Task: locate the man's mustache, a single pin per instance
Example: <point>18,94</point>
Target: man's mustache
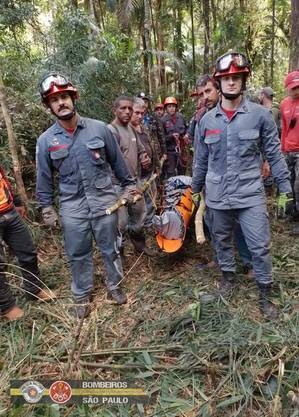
<point>63,108</point>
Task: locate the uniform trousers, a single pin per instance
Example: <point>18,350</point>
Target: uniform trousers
<point>15,234</point>
<point>254,224</point>
<point>78,239</point>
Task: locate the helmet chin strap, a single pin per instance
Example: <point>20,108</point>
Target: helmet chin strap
<point>68,116</point>
<point>230,96</point>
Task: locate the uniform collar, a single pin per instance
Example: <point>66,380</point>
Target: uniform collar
<point>59,129</point>
<point>243,107</point>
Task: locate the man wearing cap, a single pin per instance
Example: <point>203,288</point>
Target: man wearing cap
<point>153,123</point>
<point>228,160</point>
<point>266,100</point>
<point>289,108</point>
<point>83,151</point>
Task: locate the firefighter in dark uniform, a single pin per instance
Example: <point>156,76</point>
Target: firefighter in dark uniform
<point>153,124</point>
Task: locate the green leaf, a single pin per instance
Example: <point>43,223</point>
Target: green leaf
<point>230,401</point>
<point>147,358</point>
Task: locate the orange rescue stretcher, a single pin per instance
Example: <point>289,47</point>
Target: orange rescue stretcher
<point>170,236</point>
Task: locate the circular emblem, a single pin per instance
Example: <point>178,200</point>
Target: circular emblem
<point>60,392</point>
<point>32,391</point>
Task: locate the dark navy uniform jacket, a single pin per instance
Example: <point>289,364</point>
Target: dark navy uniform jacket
<point>173,124</point>
<point>84,161</point>
<point>228,156</point>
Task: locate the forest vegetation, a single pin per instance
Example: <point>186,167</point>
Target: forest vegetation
<point>194,359</point>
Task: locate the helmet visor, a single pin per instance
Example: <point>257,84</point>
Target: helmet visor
<point>224,62</point>
<point>58,80</point>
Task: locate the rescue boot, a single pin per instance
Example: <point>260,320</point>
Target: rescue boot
<point>138,240</point>
<point>14,313</point>
<point>117,295</point>
<point>267,308</point>
<point>81,308</point>
<point>227,283</point>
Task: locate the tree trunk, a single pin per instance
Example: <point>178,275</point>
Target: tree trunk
<point>294,41</point>
<point>101,11</point>
<point>160,43</point>
<point>206,21</point>
<point>272,42</point>
<point>89,8</point>
<point>145,60</point>
<point>179,44</point>
<point>193,41</point>
<point>148,46</point>
<point>12,146</point>
<point>214,14</point>
<point>97,13</point>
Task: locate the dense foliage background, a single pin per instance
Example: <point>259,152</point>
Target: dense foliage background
<point>113,47</point>
<point>194,358</point>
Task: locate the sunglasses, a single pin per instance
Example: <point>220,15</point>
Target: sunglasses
<point>224,62</point>
<point>58,80</point>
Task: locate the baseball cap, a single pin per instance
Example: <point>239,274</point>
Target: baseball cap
<point>268,91</point>
<point>292,80</point>
<point>143,95</point>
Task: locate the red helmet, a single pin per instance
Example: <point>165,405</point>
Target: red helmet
<point>159,106</point>
<point>232,63</point>
<point>56,83</point>
<point>194,93</point>
<point>170,100</point>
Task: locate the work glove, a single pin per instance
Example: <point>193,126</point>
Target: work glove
<point>285,205</point>
<point>196,199</point>
<point>50,217</point>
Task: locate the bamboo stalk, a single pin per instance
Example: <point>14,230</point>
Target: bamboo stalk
<point>122,351</point>
<point>142,366</point>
